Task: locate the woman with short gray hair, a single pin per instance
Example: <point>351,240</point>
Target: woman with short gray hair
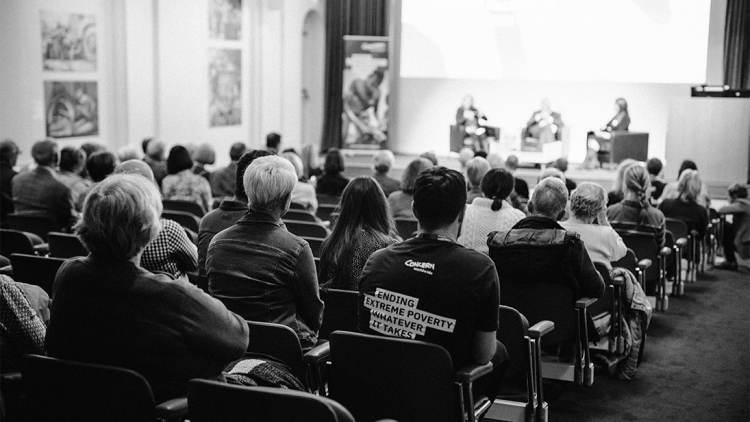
<point>588,204</point>
<point>260,270</point>
<point>109,310</point>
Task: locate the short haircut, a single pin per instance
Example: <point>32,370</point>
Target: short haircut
<point>44,153</point>
<point>687,165</point>
<point>236,151</point>
<point>155,150</point>
<point>654,166</point>
<point>136,167</point>
<point>296,162</point>
<point>411,172</point>
<point>512,162</point>
<point>100,165</point>
<point>120,217</point>
<point>178,160</point>
<point>465,155</point>
<point>242,163</point>
<point>91,147</point>
<point>204,154</point>
<point>476,168</point>
<point>430,156</point>
<point>482,154</point>
<point>737,190</point>
<point>588,200</point>
<point>8,151</point>
<point>561,164</point>
<point>439,197</point>
<point>334,162</point>
<point>497,185</point>
<point>273,140</point>
<point>269,182</point>
<point>495,160</point>
<point>552,172</point>
<point>549,198</point>
<point>383,161</point>
<point>689,185</point>
<point>71,158</point>
<point>127,153</point>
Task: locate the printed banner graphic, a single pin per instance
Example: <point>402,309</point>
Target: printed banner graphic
<point>397,315</point>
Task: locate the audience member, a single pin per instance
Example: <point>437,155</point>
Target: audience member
<point>450,282</point>
<point>109,310</point>
<point>23,329</point>
<point>39,192</point>
<point>155,159</point>
<point>634,213</point>
<point>259,269</point>
<point>562,165</point>
<point>204,155</point>
<point>303,193</point>
<point>654,167</point>
<point>181,183</point>
<point>491,212</point>
<point>552,172</point>
<point>476,168</point>
<point>332,182</point>
<point>144,145</point>
<point>588,205</point>
<point>737,233</point>
<point>310,160</point>
<point>92,147</point>
<point>72,163</point>
<point>382,162</point>
<point>496,161</point>
<point>615,195</point>
<point>229,212</point>
<point>223,180</point>
<point>172,252</point>
<point>521,188</point>
<point>686,207</point>
<point>400,201</point>
<point>364,226</point>
<point>464,156</point>
<point>99,165</point>
<point>273,142</point>
<point>126,153</point>
<point>430,155</point>
<point>671,190</point>
<point>8,157</point>
<point>482,154</point>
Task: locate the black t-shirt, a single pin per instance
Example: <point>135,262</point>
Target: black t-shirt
<point>430,290</point>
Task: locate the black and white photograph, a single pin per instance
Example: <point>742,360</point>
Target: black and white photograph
<point>225,87</point>
<point>68,41</point>
<point>225,19</point>
<point>72,109</point>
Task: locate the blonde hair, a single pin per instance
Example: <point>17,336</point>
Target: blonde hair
<point>637,182</point>
<point>269,182</point>
<point>690,185</point>
<point>476,168</point>
<point>296,162</point>
<point>588,200</point>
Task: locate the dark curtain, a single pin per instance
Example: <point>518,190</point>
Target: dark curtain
<point>345,17</point>
<point>737,44</point>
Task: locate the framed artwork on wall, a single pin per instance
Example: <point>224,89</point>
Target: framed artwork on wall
<point>68,42</point>
<point>71,108</point>
<point>224,86</point>
<point>225,19</point>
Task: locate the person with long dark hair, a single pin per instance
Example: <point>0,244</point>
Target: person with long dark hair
<point>400,201</point>
<point>364,226</point>
<point>332,182</point>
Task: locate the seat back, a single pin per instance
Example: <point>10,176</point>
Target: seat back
<point>183,206</point>
<point>304,229</point>
<point>40,225</point>
<point>644,246</point>
<point>64,245</point>
<point>678,228</point>
<point>61,390</point>
<point>37,270</point>
<point>185,219</point>
<point>296,206</point>
<point>328,199</point>
<point>210,401</point>
<point>603,304</point>
<point>300,215</point>
<point>325,210</point>
<point>513,328</point>
<point>340,312</point>
<point>279,342</point>
<point>315,244</point>
<point>407,227</point>
<point>14,241</point>
<point>379,377</point>
<point>629,262</point>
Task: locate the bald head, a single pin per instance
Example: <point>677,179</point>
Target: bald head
<point>136,167</point>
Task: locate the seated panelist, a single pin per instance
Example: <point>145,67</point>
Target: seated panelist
<point>598,141</point>
<point>544,124</point>
<point>469,121</point>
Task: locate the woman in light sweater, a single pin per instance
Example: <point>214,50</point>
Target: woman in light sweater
<point>588,203</point>
<point>491,212</point>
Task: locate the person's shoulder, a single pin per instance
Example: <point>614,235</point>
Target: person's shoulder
<point>169,226</point>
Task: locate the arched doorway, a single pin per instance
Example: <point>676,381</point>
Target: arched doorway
<point>313,71</point>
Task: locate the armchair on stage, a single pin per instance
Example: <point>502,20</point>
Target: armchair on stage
<point>623,144</point>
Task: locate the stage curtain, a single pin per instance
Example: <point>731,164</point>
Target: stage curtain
<point>737,44</point>
<point>345,17</point>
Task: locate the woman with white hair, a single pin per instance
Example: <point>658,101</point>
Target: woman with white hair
<point>303,193</point>
<point>382,162</point>
<point>109,310</point>
<point>588,204</point>
<point>686,207</point>
<point>260,270</point>
<point>476,168</point>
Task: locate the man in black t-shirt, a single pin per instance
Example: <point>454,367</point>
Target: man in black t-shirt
<point>430,288</point>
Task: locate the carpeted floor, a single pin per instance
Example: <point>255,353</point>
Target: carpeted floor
<point>695,367</point>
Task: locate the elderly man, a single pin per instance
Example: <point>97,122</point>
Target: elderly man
<point>382,162</point>
<point>39,192</point>
<point>260,270</point>
<point>223,182</point>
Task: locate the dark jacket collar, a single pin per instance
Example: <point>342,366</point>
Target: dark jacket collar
<point>534,222</point>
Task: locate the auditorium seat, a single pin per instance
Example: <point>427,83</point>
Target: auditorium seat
<point>185,219</point>
<point>65,245</point>
<point>37,270</point>
<point>184,206</point>
<point>407,227</point>
<point>300,215</point>
<point>325,210</point>
<point>680,230</point>
<point>340,311</point>
<point>315,244</point>
<point>210,401</point>
<point>37,224</point>
<point>305,229</point>
<point>14,241</point>
<point>63,390</point>
<point>644,246</point>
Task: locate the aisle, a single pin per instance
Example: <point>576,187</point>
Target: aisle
<point>695,367</point>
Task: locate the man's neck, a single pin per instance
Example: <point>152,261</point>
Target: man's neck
<point>450,232</point>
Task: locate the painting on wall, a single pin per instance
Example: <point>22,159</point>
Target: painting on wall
<point>68,42</point>
<point>225,87</point>
<point>225,19</point>
<point>71,109</point>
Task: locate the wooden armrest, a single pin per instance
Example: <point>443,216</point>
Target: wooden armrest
<point>665,251</point>
<point>618,280</point>
<point>318,354</point>
<point>172,410</point>
<point>643,264</point>
<point>541,328</point>
<point>585,302</point>
<point>681,242</point>
<point>471,373</point>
